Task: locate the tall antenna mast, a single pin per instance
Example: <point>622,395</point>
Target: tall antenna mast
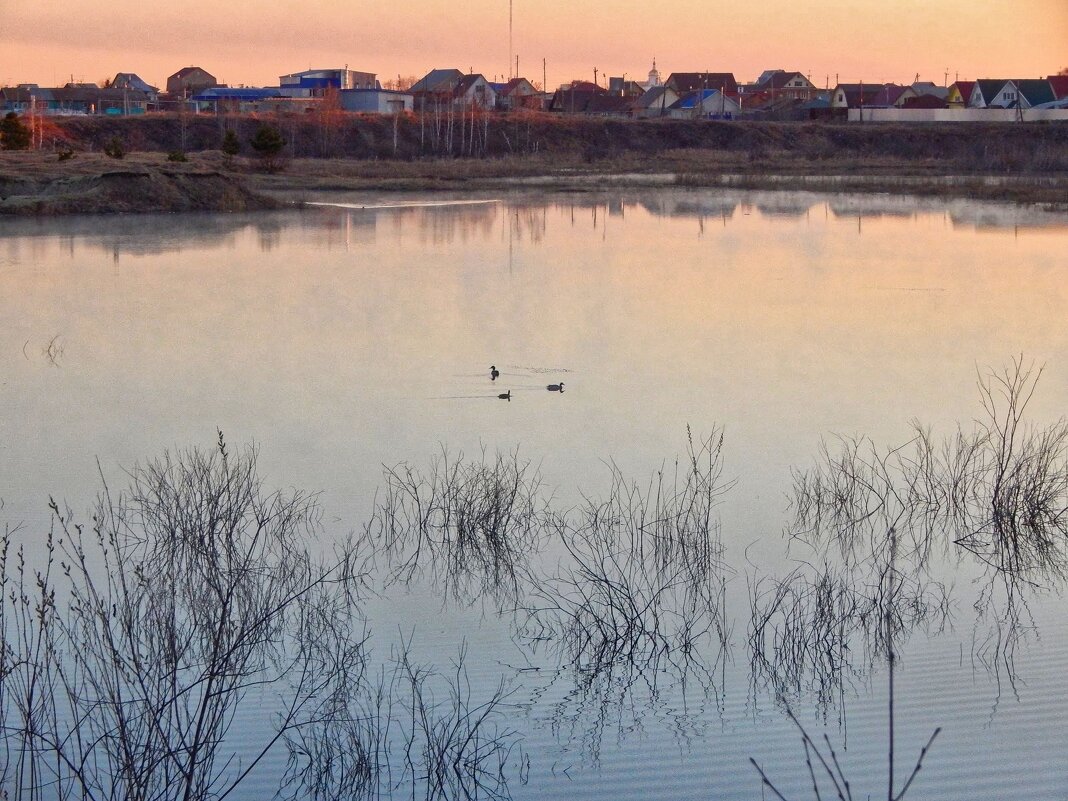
<point>510,76</point>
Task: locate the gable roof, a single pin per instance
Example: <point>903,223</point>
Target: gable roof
<point>513,86</point>
<point>988,88</point>
<point>130,80</point>
<point>779,79</point>
<point>573,99</point>
<point>609,104</point>
<point>857,94</point>
<point>705,98</point>
<point>965,90</point>
<point>437,81</point>
<point>1036,90</point>
<point>655,96</point>
<point>691,81</point>
<point>185,71</point>
<point>931,88</point>
<point>1059,85</point>
<point>925,101</point>
<point>466,82</point>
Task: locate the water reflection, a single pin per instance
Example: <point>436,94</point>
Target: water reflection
<point>362,338</point>
<point>359,220</point>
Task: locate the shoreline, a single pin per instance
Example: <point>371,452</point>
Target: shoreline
<point>37,184</point>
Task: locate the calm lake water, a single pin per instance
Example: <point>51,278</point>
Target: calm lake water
<point>343,338</point>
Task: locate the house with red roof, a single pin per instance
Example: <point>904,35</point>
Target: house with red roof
<point>959,94</point>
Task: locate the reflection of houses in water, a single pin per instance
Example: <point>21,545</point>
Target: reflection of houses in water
<point>141,235</point>
<point>1000,217</point>
<point>853,206</point>
<point>694,207</point>
<point>789,207</point>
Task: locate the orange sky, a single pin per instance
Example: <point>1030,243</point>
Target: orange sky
<point>240,42</point>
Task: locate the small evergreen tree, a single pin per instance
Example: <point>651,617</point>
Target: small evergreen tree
<point>231,145</point>
<point>268,144</point>
<point>13,134</point>
<point>114,148</point>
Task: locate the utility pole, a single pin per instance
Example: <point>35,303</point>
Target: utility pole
<point>510,36</point>
<point>544,79</point>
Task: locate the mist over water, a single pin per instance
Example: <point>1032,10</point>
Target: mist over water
<point>346,339</point>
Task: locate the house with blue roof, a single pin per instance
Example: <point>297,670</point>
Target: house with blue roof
<point>704,104</point>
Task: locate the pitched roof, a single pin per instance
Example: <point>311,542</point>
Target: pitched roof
<point>702,97</point>
<point>779,79</point>
<point>437,81</point>
<point>514,85</point>
<point>766,76</point>
<point>1059,85</point>
<point>184,71</point>
<point>466,82</point>
<point>654,97</point>
<point>1036,90</point>
<point>930,88</point>
<point>691,81</point>
<point>988,88</point>
<point>573,99</point>
<point>925,101</point>
<point>610,104</point>
<point>965,89</point>
<point>130,80</point>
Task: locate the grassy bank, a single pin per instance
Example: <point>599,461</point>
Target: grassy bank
<point>1020,163</point>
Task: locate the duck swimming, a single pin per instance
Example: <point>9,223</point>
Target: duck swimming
<point>494,372</point>
<point>556,387</point>
<point>506,396</point>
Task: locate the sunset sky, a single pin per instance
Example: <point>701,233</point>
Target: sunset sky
<point>242,42</point>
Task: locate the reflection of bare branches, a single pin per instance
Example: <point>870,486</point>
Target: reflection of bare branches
<point>640,592</point>
<point>820,627</point>
<point>642,575</point>
<point>394,731</point>
<point>131,650</point>
<point>999,492</point>
<point>473,525</point>
<point>625,698</point>
<point>1018,512</point>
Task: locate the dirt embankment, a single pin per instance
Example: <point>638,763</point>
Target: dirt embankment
<point>30,183</point>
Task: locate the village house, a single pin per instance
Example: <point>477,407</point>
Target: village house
<point>780,84</point>
<point>189,81</point>
<point>683,82</point>
<point>131,81</point>
<point>75,99</point>
<point>441,89</point>
<point>704,104</point>
<point>959,94</point>
<point>655,102</point>
<point>574,97</point>
<point>474,91</point>
<point>864,95</point>
<point>517,93</point>
<point>1011,93</point>
<point>1059,85</point>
